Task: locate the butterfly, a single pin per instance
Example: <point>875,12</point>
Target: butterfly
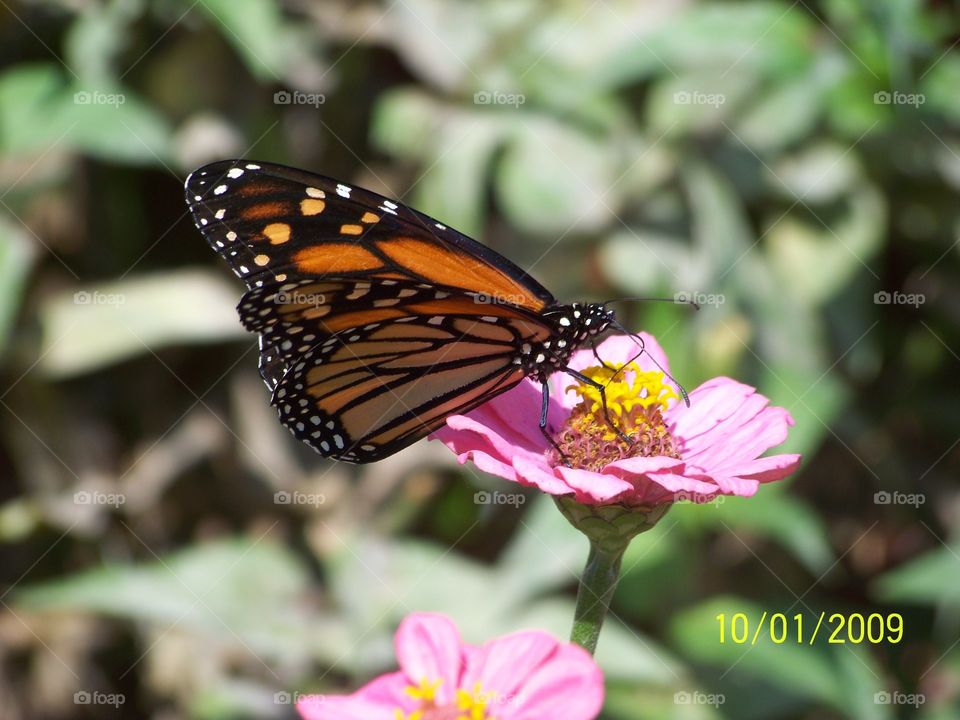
<point>377,322</point>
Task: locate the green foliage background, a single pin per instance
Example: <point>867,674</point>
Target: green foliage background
<point>794,157</point>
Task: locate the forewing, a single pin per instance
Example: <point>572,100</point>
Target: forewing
<point>273,224</point>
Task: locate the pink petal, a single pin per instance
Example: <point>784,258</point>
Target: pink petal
<point>738,486</point>
<point>768,469</point>
<point>568,685</point>
<point>377,700</point>
<point>503,665</point>
<point>653,488</point>
<point>711,404</point>
<point>593,487</point>
<point>731,445</point>
<point>428,648</point>
<point>642,465</point>
<point>534,472</point>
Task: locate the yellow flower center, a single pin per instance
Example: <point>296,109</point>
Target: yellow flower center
<point>468,704</point>
<point>636,401</point>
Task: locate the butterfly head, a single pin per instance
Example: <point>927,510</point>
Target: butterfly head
<point>573,325</point>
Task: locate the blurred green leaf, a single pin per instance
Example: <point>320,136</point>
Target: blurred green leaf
<point>257,31</point>
<point>28,99</point>
<point>737,37</point>
<point>774,513</point>
<point>939,86</point>
<point>16,258</point>
<point>932,578</point>
<point>545,553</point>
<point>97,37</point>
<point>553,180</point>
<point>818,261</point>
<point>218,589</point>
<point>115,124</point>
<point>697,103</point>
<point>104,324</point>
<point>40,111</point>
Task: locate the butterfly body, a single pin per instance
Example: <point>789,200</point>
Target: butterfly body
<point>376,322</point>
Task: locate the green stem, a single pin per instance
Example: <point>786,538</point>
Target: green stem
<point>597,584</point>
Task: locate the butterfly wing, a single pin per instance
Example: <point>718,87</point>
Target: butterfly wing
<point>360,385</point>
<point>376,322</point>
<point>272,222</point>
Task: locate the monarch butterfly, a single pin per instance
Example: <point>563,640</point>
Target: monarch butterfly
<point>376,322</point>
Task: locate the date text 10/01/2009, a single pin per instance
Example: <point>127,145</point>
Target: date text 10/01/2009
<point>837,628</point>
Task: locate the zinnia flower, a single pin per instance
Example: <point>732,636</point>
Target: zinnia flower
<point>711,448</point>
<point>524,676</point>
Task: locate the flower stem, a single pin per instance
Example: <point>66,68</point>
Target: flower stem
<point>609,528</point>
<point>597,585</point>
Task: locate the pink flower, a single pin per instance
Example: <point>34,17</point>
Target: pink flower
<point>524,676</point>
<point>711,448</point>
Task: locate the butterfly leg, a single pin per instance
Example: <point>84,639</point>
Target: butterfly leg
<point>603,398</point>
<point>544,408</point>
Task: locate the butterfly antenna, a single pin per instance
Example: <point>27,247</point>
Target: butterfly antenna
<point>678,299</point>
<point>639,340</point>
